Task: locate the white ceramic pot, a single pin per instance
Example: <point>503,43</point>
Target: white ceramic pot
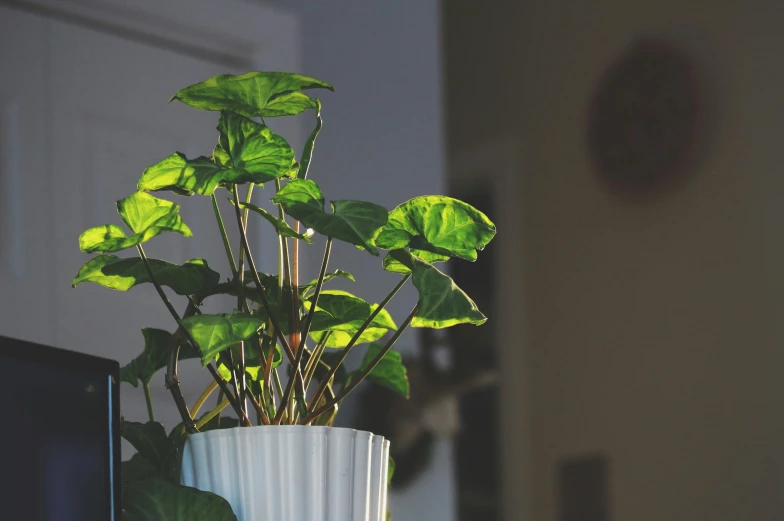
<point>291,472</point>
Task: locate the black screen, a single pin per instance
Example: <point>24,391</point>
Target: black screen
<point>57,439</point>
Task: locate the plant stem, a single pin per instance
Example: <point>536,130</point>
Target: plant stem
<point>346,350</point>
<point>315,358</point>
<point>178,398</point>
<point>301,349</point>
<point>259,286</point>
<point>240,383</point>
<point>365,372</point>
<point>212,414</point>
<point>148,399</point>
<point>224,235</point>
<point>172,380</point>
<point>203,398</point>
<point>292,287</point>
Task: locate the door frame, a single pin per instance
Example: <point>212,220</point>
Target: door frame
<point>498,162</point>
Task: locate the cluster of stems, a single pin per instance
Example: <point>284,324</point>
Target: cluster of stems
<point>274,405</point>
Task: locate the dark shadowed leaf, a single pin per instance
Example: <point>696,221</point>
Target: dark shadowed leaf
<point>161,500</point>
<point>214,333</point>
<point>264,94</point>
<point>123,274</point>
<point>389,372</point>
<point>441,302</point>
<point>280,225</point>
<point>253,148</point>
<point>145,215</point>
<point>149,439</point>
<point>158,345</point>
<point>355,222</point>
<point>439,225</point>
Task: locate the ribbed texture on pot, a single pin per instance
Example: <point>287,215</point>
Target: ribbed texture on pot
<point>291,472</point>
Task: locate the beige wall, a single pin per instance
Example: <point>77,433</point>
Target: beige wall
<point>654,329</point>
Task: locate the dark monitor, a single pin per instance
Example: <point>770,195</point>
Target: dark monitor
<point>59,435</point>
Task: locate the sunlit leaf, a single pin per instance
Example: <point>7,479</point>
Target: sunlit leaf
<point>158,346</point>
<point>441,302</point>
<point>214,333</point>
<point>264,94</point>
<point>255,149</point>
<point>145,215</point>
<point>123,274</point>
<point>355,222</point>
<point>437,224</point>
<point>189,176</point>
<point>343,314</point>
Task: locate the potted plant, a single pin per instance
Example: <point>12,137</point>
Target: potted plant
<point>277,358</point>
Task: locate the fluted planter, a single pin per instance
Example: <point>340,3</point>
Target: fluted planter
<point>291,472</point>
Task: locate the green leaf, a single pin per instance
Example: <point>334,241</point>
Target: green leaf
<point>264,94</point>
<point>122,274</point>
<point>188,176</point>
<point>389,372</point>
<point>160,500</point>
<point>441,302</point>
<point>343,314</point>
<point>214,333</point>
<point>307,151</point>
<point>149,439</point>
<point>355,222</point>
<point>139,468</point>
<point>145,215</point>
<point>158,345</point>
<point>439,225</point>
<point>253,148</point>
<point>310,286</point>
<point>280,225</point>
<point>390,473</point>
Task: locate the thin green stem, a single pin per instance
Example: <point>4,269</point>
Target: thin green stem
<point>212,414</point>
<point>365,372</point>
<point>203,397</point>
<point>315,358</point>
<point>148,399</point>
<point>224,235</point>
<point>346,350</point>
<point>241,383</point>
<point>297,378</point>
<point>285,275</point>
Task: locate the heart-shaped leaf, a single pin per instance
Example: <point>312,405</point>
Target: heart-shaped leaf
<point>158,346</point>
<point>161,500</point>
<point>440,225</point>
<point>255,149</point>
<point>149,439</point>
<point>145,215</point>
<point>189,176</point>
<point>113,272</point>
<point>355,222</point>
<point>389,372</point>
<point>264,94</point>
<point>441,302</point>
<point>280,225</point>
<point>214,333</point>
<point>343,314</point>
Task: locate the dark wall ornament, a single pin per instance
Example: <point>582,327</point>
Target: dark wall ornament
<point>644,119</point>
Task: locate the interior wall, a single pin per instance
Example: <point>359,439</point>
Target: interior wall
<point>653,332</point>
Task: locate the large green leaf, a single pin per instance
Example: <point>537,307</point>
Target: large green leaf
<point>161,500</point>
<point>440,225</point>
<point>214,333</point>
<point>441,302</point>
<point>307,151</point>
<point>189,176</point>
<point>145,215</point>
<point>343,314</point>
<point>280,225</point>
<point>389,372</point>
<point>158,346</point>
<point>264,94</point>
<point>122,274</point>
<point>355,222</point>
<point>254,148</point>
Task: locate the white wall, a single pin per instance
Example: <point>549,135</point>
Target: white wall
<point>382,141</point>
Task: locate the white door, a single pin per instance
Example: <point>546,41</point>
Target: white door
<point>88,114</point>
